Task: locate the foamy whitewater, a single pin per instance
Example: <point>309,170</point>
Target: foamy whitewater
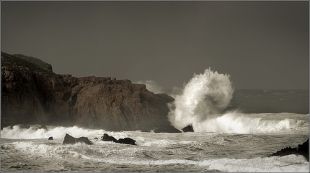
<point>29,149</point>
<point>204,97</point>
<point>203,104</point>
<point>224,140</point>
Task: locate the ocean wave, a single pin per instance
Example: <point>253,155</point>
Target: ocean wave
<point>232,122</point>
<point>81,153</point>
<point>35,132</point>
<point>236,122</point>
<point>203,105</point>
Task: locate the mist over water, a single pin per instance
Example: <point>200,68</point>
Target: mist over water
<point>203,104</point>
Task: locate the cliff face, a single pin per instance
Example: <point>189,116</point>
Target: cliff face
<point>33,94</point>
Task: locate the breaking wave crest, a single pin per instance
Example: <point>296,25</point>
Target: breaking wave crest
<point>235,122</point>
<point>203,104</point>
<point>37,132</point>
<point>204,96</point>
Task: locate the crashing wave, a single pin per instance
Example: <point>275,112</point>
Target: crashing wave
<point>203,103</point>
<point>33,132</point>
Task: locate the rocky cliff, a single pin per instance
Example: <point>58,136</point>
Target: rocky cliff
<point>33,94</point>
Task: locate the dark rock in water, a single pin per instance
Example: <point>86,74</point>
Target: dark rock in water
<point>51,138</point>
<point>85,140</point>
<point>71,140</point>
<point>126,141</point>
<point>107,137</point>
<point>163,130</point>
<point>188,128</point>
<point>32,93</point>
<point>302,149</point>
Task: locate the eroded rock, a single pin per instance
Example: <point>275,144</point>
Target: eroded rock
<point>126,141</point>
<point>71,140</point>
<point>33,94</point>
<point>188,128</point>
<point>302,149</point>
<point>107,137</point>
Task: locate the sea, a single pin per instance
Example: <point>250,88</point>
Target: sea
<point>232,134</point>
<point>27,149</point>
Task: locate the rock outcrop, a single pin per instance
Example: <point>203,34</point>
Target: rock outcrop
<point>72,140</point>
<point>127,141</point>
<point>33,94</point>
<point>302,149</point>
<point>50,138</point>
<point>188,128</point>
<point>107,137</point>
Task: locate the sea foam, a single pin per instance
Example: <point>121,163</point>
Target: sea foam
<point>203,105</point>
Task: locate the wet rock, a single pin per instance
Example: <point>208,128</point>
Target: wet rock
<point>302,149</point>
<point>84,140</point>
<point>71,140</point>
<point>107,137</point>
<point>126,141</point>
<point>188,128</point>
<point>50,138</point>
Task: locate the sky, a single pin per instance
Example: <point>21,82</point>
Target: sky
<point>261,45</point>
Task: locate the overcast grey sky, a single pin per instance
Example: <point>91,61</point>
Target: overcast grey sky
<point>260,44</point>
